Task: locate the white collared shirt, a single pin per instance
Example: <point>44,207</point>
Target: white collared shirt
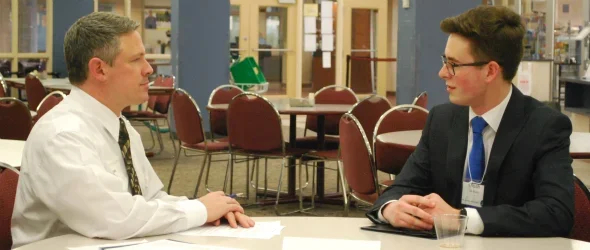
<point>73,180</point>
<point>493,118</point>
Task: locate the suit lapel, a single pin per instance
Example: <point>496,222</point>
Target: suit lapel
<point>510,126</point>
<point>456,152</point>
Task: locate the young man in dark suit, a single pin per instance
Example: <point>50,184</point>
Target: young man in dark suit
<point>493,154</point>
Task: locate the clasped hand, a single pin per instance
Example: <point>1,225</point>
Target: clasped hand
<point>416,212</point>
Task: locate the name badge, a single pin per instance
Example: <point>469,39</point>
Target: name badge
<point>472,194</point>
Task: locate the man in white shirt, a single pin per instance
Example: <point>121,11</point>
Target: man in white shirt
<point>84,169</point>
<point>492,154</point>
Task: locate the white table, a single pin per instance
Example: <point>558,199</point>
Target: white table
<point>332,228</point>
<point>579,141</point>
<point>63,84</point>
<point>11,152</point>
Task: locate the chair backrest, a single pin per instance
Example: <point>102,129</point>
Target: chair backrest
<point>391,158</point>
<point>187,118</point>
<point>163,101</point>
<point>356,156</point>
<point>35,91</point>
<point>368,112</point>
<point>254,124</point>
<point>333,94</point>
<point>48,102</point>
<point>421,100</point>
<point>581,229</point>
<point>15,119</point>
<point>8,184</point>
<point>217,118</point>
<point>151,103</point>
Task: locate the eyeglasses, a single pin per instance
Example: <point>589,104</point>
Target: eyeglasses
<point>451,65</point>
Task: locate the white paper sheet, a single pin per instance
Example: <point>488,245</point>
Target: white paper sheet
<point>97,247</point>
<point>309,25</point>
<point>297,243</point>
<point>327,42</point>
<point>327,60</point>
<point>310,43</point>
<point>171,244</point>
<point>327,25</point>
<point>327,8</point>
<point>262,230</point>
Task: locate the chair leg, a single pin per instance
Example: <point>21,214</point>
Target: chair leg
<point>257,176</point>
<point>337,178</point>
<point>159,136</point>
<point>229,162</point>
<point>265,177</point>
<point>201,173</point>
<point>170,134</point>
<point>231,177</point>
<point>207,174</point>
<point>247,184</point>
<point>152,136</point>
<point>344,190</point>
<point>279,187</point>
<point>174,167</point>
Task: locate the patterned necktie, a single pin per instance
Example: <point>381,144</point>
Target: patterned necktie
<point>477,161</point>
<point>125,145</point>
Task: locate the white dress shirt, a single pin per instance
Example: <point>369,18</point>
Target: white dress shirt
<point>493,118</point>
<point>73,180</point>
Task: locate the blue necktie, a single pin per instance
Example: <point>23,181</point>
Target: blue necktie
<point>477,156</point>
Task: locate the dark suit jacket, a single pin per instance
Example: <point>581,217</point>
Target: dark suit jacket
<point>529,188</point>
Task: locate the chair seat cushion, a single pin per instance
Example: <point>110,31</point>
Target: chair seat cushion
<point>311,142</point>
<point>296,152</point>
<point>212,146</point>
<point>143,114</point>
<point>371,198</point>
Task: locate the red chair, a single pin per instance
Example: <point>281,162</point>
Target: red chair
<point>15,119</point>
<point>8,184</point>
<point>421,100</point>
<point>35,91</point>
<point>218,119</point>
<point>357,165</point>
<point>333,94</point>
<point>581,229</point>
<point>158,104</point>
<point>390,158</point>
<point>368,112</point>
<point>191,135</point>
<point>254,129</point>
<point>50,101</point>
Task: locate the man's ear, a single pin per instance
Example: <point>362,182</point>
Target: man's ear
<point>97,69</point>
<point>493,71</point>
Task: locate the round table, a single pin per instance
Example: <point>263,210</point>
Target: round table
<point>64,85</point>
<point>12,152</point>
<point>579,141</point>
<point>327,228</point>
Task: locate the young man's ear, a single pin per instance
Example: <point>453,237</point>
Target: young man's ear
<point>97,69</point>
<point>493,71</point>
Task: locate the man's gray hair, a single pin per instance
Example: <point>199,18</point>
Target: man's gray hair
<point>94,35</point>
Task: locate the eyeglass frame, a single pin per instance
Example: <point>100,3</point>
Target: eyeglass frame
<point>446,62</point>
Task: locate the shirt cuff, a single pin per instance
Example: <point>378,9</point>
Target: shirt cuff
<point>196,212</point>
<point>380,212</point>
<point>474,222</point>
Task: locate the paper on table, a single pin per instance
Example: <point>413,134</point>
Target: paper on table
<point>172,244</point>
<point>310,43</point>
<point>296,243</point>
<point>262,230</point>
<point>327,8</point>
<point>327,42</point>
<point>327,60</point>
<point>327,25</point>
<point>97,247</point>
<point>309,25</point>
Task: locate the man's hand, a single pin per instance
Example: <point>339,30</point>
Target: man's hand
<point>408,212</point>
<point>219,205</point>
<point>441,207</point>
<point>233,218</point>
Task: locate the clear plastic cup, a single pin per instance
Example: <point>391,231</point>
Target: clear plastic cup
<point>450,230</point>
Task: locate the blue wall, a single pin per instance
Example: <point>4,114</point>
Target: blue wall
<point>65,13</point>
<point>200,48</point>
<point>420,44</point>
